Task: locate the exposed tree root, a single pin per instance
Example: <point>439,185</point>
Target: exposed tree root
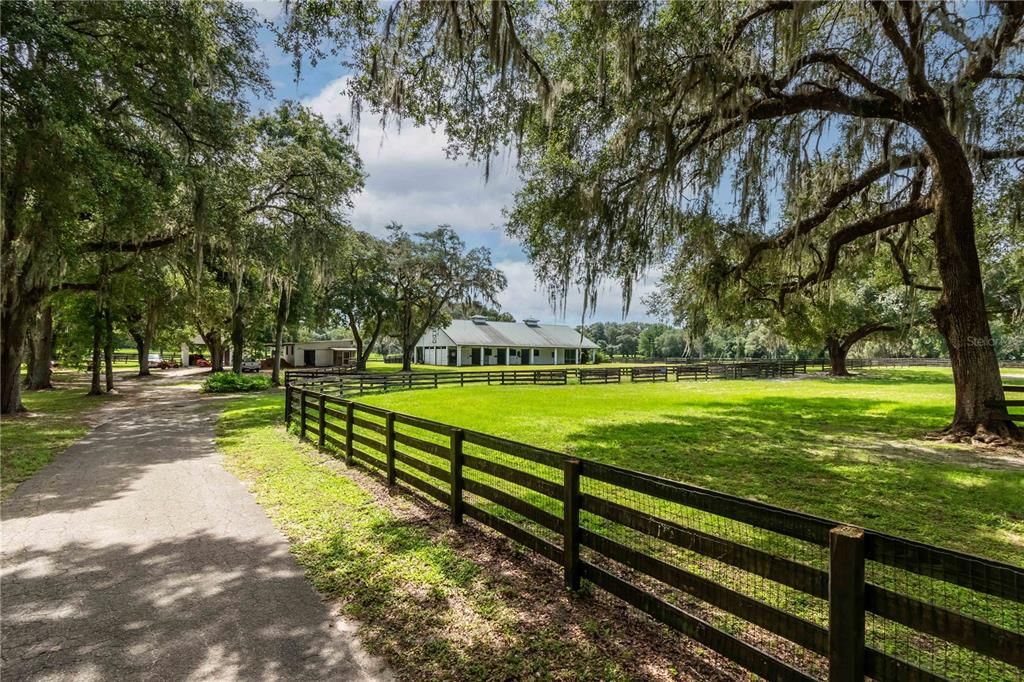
<point>993,432</point>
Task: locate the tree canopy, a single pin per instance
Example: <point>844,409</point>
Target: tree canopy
<point>631,118</point>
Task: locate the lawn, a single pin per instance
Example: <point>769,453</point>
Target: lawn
<point>54,420</point>
<point>438,603</point>
<point>848,449</point>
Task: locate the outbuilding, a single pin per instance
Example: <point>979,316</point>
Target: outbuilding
<point>326,353</point>
<point>479,341</point>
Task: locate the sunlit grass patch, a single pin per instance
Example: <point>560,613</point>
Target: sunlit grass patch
<point>54,420</point>
<point>849,449</point>
<point>431,610</point>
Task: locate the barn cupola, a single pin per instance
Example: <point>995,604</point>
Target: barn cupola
<point>532,322</point>
<point>478,319</point>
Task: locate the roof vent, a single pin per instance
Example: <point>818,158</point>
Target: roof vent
<point>478,319</point>
<point>532,322</point>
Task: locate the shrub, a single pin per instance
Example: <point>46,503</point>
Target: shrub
<point>229,382</point>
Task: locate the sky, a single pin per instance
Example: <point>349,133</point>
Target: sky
<point>412,182</point>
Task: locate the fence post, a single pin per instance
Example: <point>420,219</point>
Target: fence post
<point>287,403</point>
<point>389,440</point>
<point>571,523</point>
<point>323,421</point>
<point>302,413</point>
<point>456,473</point>
<point>349,417</point>
<point>846,605</point>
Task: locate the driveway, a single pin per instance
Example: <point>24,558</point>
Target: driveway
<point>135,555</point>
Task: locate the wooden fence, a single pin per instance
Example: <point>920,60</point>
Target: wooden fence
<point>346,381</point>
<point>1010,402</point>
<point>785,595</point>
<point>821,363</point>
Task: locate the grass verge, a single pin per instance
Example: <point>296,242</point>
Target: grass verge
<point>435,602</point>
<point>54,420</point>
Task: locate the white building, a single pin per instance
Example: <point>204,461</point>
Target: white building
<point>329,353</point>
<point>478,341</point>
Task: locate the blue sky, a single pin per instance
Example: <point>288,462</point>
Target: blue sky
<point>412,182</point>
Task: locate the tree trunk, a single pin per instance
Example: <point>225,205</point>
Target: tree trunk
<point>368,346</point>
<point>407,358</point>
<point>108,348</point>
<point>28,354</point>
<point>960,312</point>
<point>19,300</point>
<point>143,338</point>
<point>283,304</point>
<point>16,319</point>
<point>837,352</point>
<point>216,347</point>
<point>357,338</point>
<point>97,337</point>
<point>237,341</point>
<point>142,349</point>
<point>40,373</point>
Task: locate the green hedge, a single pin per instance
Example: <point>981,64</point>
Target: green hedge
<point>229,382</point>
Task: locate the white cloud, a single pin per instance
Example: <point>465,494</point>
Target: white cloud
<point>524,297</point>
<point>267,9</point>
<point>411,181</point>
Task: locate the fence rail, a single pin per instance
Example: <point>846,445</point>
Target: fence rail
<point>1008,403</point>
<point>346,381</point>
<point>786,595</point>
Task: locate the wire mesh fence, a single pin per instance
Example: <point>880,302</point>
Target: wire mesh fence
<point>754,582</point>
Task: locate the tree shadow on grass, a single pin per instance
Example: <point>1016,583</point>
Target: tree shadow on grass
<point>203,606</point>
<point>853,460</point>
<point>463,604</point>
<point>106,463</point>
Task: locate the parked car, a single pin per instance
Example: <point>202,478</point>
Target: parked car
<point>250,365</point>
<point>201,362</point>
<point>154,360</point>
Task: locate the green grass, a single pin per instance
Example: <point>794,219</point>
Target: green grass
<point>54,420</point>
<point>849,449</point>
<point>435,609</point>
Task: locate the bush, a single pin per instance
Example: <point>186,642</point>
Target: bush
<point>229,382</point>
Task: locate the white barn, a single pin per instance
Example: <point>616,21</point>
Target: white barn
<point>328,353</point>
<point>478,341</point>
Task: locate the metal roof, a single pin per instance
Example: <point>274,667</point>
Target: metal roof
<point>511,335</point>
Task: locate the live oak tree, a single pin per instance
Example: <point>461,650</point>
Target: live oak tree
<point>102,101</point>
<point>358,294</point>
<point>465,310</point>
<point>864,297</point>
<point>427,273</point>
<point>624,112</point>
<point>308,171</point>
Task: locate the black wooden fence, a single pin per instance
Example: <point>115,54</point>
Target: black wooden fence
<point>786,595</point>
<point>346,381</point>
<point>1011,401</point>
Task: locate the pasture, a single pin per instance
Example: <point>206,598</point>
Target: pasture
<point>849,449</point>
